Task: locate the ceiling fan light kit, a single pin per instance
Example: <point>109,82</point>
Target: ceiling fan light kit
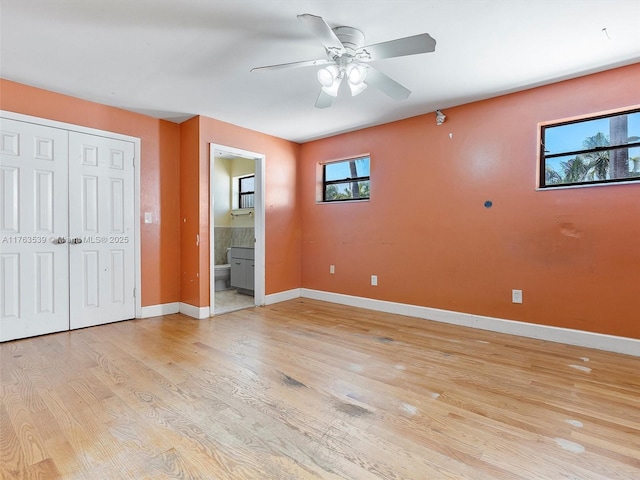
<point>327,75</point>
<point>356,74</point>
<point>330,78</point>
<point>357,89</point>
<point>348,57</point>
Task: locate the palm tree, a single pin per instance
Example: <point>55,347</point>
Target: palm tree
<point>364,189</point>
<point>585,167</point>
<point>334,194</point>
<point>551,177</point>
<point>598,162</point>
<point>575,170</point>
<point>636,167</point>
<point>619,133</point>
<point>355,190</point>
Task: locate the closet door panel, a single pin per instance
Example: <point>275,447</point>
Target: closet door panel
<point>34,274</point>
<point>101,230</point>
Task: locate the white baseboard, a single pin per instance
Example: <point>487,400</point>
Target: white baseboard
<point>599,341</point>
<point>282,296</point>
<point>195,312</point>
<point>157,310</point>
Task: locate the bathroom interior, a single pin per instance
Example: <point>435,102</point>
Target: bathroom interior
<point>234,232</point>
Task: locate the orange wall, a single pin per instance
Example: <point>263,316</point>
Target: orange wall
<point>190,190</point>
<point>425,232</point>
<point>160,142</point>
<point>282,216</point>
<point>427,235</point>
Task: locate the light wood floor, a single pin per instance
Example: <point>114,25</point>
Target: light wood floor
<point>306,389</point>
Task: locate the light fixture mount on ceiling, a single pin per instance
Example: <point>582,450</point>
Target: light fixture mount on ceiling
<point>348,57</point>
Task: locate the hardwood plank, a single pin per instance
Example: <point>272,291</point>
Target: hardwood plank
<point>308,390</point>
<point>12,461</point>
<point>24,427</point>
<point>45,470</point>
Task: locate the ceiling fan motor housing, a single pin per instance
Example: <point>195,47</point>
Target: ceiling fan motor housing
<point>351,38</point>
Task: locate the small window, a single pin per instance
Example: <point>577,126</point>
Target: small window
<point>346,180</point>
<point>246,191</point>
<point>595,150</point>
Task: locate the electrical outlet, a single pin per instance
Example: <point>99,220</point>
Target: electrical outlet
<point>516,296</point>
<point>332,269</point>
<point>374,280</point>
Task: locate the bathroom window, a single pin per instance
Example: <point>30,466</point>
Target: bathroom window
<point>590,151</point>
<point>246,191</point>
<point>346,180</point>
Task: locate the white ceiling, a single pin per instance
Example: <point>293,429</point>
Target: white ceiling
<point>174,59</point>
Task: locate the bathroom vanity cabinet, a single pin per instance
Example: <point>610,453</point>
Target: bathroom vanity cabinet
<point>242,269</point>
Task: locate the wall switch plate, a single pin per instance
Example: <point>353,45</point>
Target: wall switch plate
<point>332,269</point>
<point>374,280</point>
<point>516,296</point>
<point>148,217</point>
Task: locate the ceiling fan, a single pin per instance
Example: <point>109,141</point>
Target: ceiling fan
<point>347,57</point>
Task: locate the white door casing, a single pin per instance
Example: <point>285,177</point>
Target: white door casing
<point>259,220</point>
<point>101,230</point>
<point>34,290</point>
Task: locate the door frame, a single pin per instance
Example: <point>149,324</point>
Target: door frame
<point>259,220</point>
<point>136,167</point>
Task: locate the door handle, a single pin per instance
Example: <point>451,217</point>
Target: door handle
<point>75,241</point>
<point>59,241</point>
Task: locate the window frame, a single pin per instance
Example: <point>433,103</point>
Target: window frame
<point>542,157</point>
<point>242,194</point>
<point>324,183</point>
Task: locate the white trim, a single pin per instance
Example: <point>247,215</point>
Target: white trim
<point>599,341</point>
<point>66,126</point>
<point>161,309</point>
<point>259,220</point>
<point>604,183</point>
<point>344,159</point>
<point>194,312</point>
<point>282,296</point>
<point>136,168</point>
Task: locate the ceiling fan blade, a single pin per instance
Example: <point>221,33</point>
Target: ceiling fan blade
<point>386,84</point>
<point>324,100</point>
<point>323,31</point>
<point>281,66</point>
<point>400,47</point>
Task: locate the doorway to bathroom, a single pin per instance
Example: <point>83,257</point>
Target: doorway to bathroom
<point>237,237</point>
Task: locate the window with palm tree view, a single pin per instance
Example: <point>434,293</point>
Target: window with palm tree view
<point>346,180</point>
<point>599,149</point>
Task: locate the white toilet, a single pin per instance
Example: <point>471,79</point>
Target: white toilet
<point>222,274</point>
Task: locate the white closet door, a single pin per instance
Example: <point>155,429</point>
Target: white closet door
<point>101,217</point>
<point>34,287</point>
